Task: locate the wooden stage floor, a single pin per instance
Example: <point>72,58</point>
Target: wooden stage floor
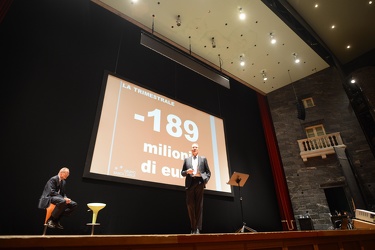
<point>361,239</point>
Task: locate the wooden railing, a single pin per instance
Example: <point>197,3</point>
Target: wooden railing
<point>320,145</point>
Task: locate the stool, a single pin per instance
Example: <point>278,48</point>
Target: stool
<point>95,207</point>
<point>49,210</point>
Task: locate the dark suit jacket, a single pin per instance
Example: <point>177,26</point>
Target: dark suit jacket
<point>51,188</point>
<point>202,166</point>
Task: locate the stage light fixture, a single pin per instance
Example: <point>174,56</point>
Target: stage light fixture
<point>242,62</point>
<point>296,59</point>
<point>264,75</point>
<point>213,42</point>
<point>178,21</point>
<point>166,50</point>
<point>242,15</point>
<point>273,39</point>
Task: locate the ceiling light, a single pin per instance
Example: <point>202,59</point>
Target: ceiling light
<point>264,75</point>
<point>352,80</point>
<point>348,47</point>
<point>178,21</point>
<point>333,26</point>
<point>296,59</point>
<point>133,1</point>
<point>213,42</point>
<point>316,5</point>
<point>369,2</point>
<point>242,15</point>
<point>273,39</point>
<point>242,62</point>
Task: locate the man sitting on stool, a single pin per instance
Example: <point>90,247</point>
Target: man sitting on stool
<point>54,192</point>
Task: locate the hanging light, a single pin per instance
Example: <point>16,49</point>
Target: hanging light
<point>273,39</point>
<point>296,59</point>
<point>242,15</point>
<point>242,62</point>
<point>178,21</point>
<point>213,42</point>
<point>264,75</point>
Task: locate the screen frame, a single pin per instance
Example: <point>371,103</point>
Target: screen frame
<point>110,178</point>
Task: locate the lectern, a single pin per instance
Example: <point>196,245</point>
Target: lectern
<point>239,179</point>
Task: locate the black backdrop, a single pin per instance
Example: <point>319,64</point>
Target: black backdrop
<point>54,55</point>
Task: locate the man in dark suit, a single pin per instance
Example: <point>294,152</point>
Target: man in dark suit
<point>197,173</point>
<point>54,192</point>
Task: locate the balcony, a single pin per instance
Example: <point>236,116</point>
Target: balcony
<point>320,145</point>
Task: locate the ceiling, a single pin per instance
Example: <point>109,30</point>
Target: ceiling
<point>211,31</point>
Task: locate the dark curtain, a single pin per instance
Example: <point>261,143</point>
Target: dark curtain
<point>4,7</point>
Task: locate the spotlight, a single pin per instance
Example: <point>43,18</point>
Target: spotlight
<point>213,42</point>
<point>273,39</point>
<point>352,80</point>
<point>178,21</point>
<point>296,59</point>
<point>264,75</point>
<point>242,62</point>
<point>242,15</point>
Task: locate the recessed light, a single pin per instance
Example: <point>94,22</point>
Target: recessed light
<point>348,46</point>
<point>316,5</point>
<point>333,26</point>
<point>369,2</point>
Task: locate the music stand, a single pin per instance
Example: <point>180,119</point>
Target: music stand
<point>239,179</point>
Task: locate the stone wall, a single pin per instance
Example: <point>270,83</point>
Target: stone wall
<point>332,109</point>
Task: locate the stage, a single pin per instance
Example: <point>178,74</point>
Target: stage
<point>361,239</point>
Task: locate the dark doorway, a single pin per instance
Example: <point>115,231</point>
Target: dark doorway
<point>337,201</point>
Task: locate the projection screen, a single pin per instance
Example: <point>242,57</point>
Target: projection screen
<point>141,137</point>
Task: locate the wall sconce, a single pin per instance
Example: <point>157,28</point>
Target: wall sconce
<point>296,59</point>
<point>273,39</point>
<point>242,15</point>
<point>178,21</point>
<point>213,42</point>
<point>242,62</point>
<point>264,75</point>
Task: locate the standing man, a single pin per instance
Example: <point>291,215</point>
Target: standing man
<point>197,173</point>
<point>54,192</point>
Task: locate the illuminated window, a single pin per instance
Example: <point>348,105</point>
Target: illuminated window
<point>308,102</point>
<point>315,131</point>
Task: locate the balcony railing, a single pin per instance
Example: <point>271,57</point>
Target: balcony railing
<point>320,145</point>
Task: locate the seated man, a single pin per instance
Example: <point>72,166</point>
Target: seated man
<point>54,192</point>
